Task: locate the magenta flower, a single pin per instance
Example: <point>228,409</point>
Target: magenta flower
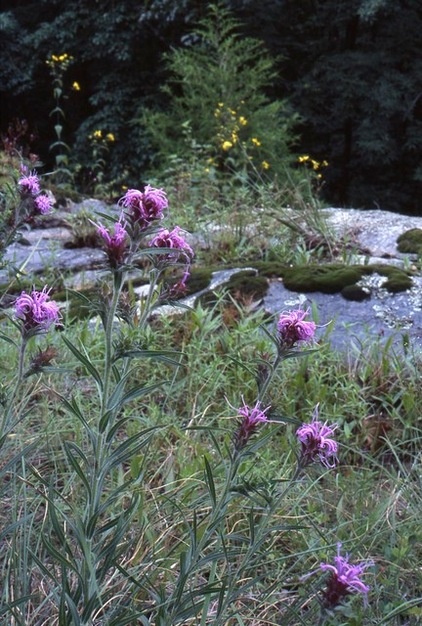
<point>171,240</point>
<point>36,311</point>
<point>345,579</point>
<point>317,443</point>
<point>155,202</point>
<point>145,207</point>
<point>115,244</point>
<point>43,204</point>
<point>251,418</point>
<point>29,184</point>
<point>293,328</point>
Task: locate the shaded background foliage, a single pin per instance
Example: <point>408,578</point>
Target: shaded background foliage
<point>351,69</point>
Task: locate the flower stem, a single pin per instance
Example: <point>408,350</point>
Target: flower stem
<point>108,356</point>
<point>9,408</point>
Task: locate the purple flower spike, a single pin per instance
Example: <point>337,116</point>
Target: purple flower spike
<point>144,207</point>
<point>115,244</point>
<point>155,202</point>
<point>317,442</point>
<point>43,204</point>
<point>29,184</point>
<point>36,310</point>
<point>251,418</point>
<point>344,579</point>
<point>293,328</point>
<point>172,241</point>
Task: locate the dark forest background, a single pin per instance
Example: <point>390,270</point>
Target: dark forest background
<point>350,69</point>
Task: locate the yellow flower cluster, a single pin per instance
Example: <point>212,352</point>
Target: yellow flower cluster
<point>316,165</point>
<point>230,125</point>
<point>76,86</point>
<point>62,60</point>
<point>97,135</point>
<point>313,163</point>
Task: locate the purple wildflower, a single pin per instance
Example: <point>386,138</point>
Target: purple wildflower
<point>251,417</point>
<point>36,310</point>
<point>43,204</point>
<point>145,207</point>
<point>155,202</point>
<point>172,241</point>
<point>344,579</point>
<point>293,328</point>
<point>317,442</point>
<point>29,184</point>
<point>115,244</point>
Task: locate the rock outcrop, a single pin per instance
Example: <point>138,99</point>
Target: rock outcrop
<point>380,316</point>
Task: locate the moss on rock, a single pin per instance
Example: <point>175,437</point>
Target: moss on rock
<point>248,284</point>
<point>334,278</point>
<point>410,241</point>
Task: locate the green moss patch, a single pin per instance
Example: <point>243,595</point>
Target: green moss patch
<point>410,241</point>
<point>199,279</point>
<point>248,284</point>
<point>335,278</point>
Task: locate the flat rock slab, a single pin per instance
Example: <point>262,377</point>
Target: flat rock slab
<point>379,318</point>
<point>375,230</point>
<point>348,325</point>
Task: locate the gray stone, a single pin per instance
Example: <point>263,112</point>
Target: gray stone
<point>373,233</point>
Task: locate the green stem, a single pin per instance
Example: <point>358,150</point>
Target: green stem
<point>108,356</point>
<point>269,377</point>
<point>9,408</point>
<point>154,276</point>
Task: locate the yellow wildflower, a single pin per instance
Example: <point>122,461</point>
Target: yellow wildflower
<point>235,137</point>
<point>265,165</point>
<point>98,134</point>
<point>243,121</point>
<point>76,86</point>
<point>255,141</point>
<point>226,145</point>
<point>110,137</point>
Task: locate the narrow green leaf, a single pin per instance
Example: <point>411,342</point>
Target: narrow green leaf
<point>166,356</point>
<point>8,339</point>
<point>136,392</point>
<point>71,448</point>
<point>210,481</point>
<point>128,448</point>
<point>85,361</point>
<point>73,610</point>
<point>15,603</point>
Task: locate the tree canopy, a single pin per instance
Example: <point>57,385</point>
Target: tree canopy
<point>351,70</point>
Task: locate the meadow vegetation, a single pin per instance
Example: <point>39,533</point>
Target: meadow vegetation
<point>200,468</point>
<point>213,465</point>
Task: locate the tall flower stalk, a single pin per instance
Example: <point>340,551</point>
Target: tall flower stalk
<point>35,313</point>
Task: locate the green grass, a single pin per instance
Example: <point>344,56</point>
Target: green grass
<point>372,502</point>
<point>129,506</point>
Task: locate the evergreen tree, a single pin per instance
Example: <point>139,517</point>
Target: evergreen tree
<point>216,98</point>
